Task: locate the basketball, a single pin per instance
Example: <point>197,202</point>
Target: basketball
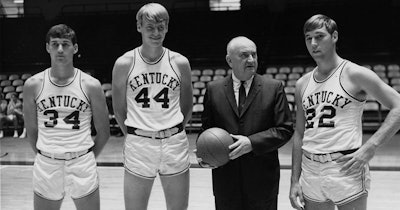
<point>212,146</point>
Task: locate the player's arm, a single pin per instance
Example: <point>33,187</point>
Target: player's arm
<point>297,153</point>
<point>119,84</point>
<point>372,85</point>
<point>100,113</point>
<point>186,97</point>
<point>31,88</point>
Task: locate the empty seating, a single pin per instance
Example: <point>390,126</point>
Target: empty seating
<point>393,74</point>
<point>17,82</point>
<point>208,72</point>
<point>291,83</point>
<point>196,72</point>
<point>271,70</point>
<point>268,76</point>
<point>294,76</point>
<point>217,77</point>
<point>284,70</point>
<point>309,68</point>
<point>298,69</point>
<point>379,68</point>
<point>8,89</point>
<point>19,89</point>
<point>395,81</point>
<point>5,83</point>
<point>203,91</point>
<point>220,72</point>
<point>381,74</point>
<point>199,84</point>
<point>195,78</point>
<point>25,76</point>
<point>196,91</point>
<point>198,108</point>
<point>205,78</point>
<point>290,90</point>
<point>281,76</point>
<point>290,98</point>
<point>200,99</point>
<point>393,67</point>
<point>13,77</point>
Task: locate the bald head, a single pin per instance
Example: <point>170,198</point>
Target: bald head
<point>242,57</point>
<point>237,42</point>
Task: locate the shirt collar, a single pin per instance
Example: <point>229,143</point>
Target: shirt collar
<point>236,81</point>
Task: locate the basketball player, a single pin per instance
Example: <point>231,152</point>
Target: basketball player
<point>14,113</point>
<point>329,162</point>
<point>59,104</point>
<point>152,100</point>
<point>3,113</point>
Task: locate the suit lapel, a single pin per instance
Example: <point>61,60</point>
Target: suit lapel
<point>230,95</point>
<point>254,89</point>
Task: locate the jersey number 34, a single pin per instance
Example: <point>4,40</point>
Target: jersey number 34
<point>72,119</point>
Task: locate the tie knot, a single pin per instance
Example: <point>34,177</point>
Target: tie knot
<point>242,83</point>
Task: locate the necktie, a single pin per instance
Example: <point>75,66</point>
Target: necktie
<point>242,96</point>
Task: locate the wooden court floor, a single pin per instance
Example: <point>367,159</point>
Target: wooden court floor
<point>16,190</point>
<point>16,158</point>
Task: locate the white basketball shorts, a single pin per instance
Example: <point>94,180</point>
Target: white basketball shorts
<point>321,182</point>
<point>146,157</point>
<point>51,178</point>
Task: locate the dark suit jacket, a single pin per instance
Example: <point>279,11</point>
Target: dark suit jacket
<point>265,120</point>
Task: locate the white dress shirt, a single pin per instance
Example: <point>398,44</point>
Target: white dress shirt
<point>236,86</point>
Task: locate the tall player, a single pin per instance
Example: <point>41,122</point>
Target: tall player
<point>152,100</point>
<point>329,161</point>
<point>59,105</point>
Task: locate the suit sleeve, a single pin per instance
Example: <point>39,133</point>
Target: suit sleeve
<point>275,137</point>
<point>206,117</point>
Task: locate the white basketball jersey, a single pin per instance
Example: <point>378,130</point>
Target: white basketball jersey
<point>153,93</point>
<point>333,116</point>
<point>64,116</point>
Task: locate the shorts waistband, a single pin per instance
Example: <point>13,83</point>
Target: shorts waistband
<point>162,134</point>
<point>65,156</point>
<point>328,157</point>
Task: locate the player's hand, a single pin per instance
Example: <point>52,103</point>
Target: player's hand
<point>241,146</point>
<point>296,196</point>
<point>355,162</point>
<point>202,163</point>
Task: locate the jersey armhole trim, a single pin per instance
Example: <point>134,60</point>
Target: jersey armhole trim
<point>42,86</point>
<point>82,89</point>
<point>340,82</point>
<point>132,65</point>
<point>173,69</point>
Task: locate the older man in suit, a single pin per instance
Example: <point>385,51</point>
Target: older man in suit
<point>254,110</point>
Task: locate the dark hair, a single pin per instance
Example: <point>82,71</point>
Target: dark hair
<point>61,31</point>
<point>319,21</point>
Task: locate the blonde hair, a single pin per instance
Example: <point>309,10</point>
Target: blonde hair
<point>153,12</point>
